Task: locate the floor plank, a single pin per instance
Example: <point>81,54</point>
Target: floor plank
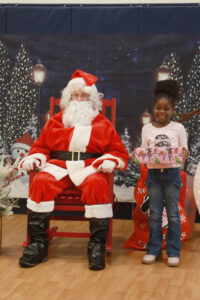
<point>66,275</point>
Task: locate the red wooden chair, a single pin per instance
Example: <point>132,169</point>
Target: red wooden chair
<point>69,200</point>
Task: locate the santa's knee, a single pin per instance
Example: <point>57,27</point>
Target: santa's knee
<point>96,190</point>
<point>40,180</point>
<point>44,187</point>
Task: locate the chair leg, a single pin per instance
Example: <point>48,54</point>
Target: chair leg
<point>96,244</point>
<point>109,237</point>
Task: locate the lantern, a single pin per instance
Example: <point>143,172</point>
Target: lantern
<point>162,73</point>
<point>38,73</point>
<point>145,118</point>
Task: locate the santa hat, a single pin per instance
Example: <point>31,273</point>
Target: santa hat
<point>84,81</point>
<point>24,142</point>
<point>88,78</point>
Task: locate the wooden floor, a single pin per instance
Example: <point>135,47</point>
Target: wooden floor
<point>66,275</point>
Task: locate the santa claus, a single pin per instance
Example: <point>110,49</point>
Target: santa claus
<point>77,147</point>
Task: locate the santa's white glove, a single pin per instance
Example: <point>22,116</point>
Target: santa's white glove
<point>30,163</point>
<point>107,166</point>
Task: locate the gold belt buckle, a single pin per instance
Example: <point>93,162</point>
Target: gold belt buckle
<point>73,152</point>
<point>162,170</point>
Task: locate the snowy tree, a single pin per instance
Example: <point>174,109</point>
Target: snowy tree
<point>22,99</point>
<point>193,91</point>
<point>2,146</point>
<point>131,175</point>
<point>193,103</point>
<point>190,101</point>
<point>176,73</point>
<point>32,127</point>
<point>194,158</point>
<point>5,72</point>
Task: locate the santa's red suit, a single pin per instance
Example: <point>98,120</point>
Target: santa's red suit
<point>99,137</point>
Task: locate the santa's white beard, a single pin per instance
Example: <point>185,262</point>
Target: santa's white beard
<point>78,113</point>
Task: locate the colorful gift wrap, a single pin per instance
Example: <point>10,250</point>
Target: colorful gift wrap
<point>158,155</point>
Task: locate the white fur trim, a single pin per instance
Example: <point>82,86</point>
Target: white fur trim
<point>99,211</point>
<point>78,172</point>
<point>20,146</point>
<point>39,156</point>
<point>55,170</point>
<point>80,138</point>
<point>120,165</point>
<point>46,206</point>
<point>79,83</point>
<point>88,89</point>
<point>76,84</point>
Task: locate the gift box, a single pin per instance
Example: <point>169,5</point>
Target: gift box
<point>158,155</point>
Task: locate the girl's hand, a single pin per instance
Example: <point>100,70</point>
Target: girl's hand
<point>186,153</point>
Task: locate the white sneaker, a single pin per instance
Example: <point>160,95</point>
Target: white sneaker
<point>149,259</point>
<point>173,261</point>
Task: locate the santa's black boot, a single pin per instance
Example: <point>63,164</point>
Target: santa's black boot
<point>97,242</point>
<point>37,249</point>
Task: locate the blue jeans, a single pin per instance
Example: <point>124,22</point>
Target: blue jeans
<point>164,188</point>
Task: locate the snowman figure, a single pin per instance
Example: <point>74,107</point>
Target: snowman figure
<point>20,148</point>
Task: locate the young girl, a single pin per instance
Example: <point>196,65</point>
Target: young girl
<point>164,180</point>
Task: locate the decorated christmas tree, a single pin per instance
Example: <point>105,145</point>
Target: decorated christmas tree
<point>130,177</point>
<point>22,99</point>
<point>5,72</point>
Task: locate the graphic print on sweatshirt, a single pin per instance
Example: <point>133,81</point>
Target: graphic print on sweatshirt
<point>162,140</point>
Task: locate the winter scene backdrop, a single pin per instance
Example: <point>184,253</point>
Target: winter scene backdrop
<point>126,65</point>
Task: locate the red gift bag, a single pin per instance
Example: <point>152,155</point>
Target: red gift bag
<point>140,236</point>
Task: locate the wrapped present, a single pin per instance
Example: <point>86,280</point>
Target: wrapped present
<point>158,155</point>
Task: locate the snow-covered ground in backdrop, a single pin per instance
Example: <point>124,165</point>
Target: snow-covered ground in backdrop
<point>19,189</point>
<point>124,194</point>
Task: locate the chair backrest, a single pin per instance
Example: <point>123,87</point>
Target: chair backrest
<point>108,104</point>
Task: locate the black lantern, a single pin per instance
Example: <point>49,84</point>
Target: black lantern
<point>162,73</point>
<point>145,118</point>
<point>38,73</point>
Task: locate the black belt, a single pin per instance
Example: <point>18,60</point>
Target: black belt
<point>73,155</point>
